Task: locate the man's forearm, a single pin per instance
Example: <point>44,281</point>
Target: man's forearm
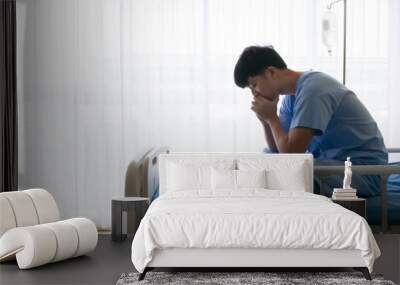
<point>269,137</point>
<point>278,135</point>
<point>296,141</point>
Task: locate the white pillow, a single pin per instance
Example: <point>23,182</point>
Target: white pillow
<point>251,178</point>
<point>226,179</point>
<point>187,177</point>
<point>292,178</point>
<point>282,174</point>
<point>223,179</point>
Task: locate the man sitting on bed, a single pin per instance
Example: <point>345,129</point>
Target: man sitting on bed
<point>318,115</point>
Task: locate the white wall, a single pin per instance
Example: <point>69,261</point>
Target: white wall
<point>70,104</point>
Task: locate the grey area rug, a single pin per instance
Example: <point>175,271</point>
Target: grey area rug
<point>226,278</point>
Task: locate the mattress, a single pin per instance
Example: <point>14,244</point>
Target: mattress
<point>252,219</point>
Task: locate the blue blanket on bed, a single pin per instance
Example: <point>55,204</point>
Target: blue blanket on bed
<point>155,194</point>
<point>394,180</point>
<point>393,202</point>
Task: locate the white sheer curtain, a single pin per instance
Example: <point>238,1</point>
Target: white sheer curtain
<point>374,61</point>
<point>102,81</point>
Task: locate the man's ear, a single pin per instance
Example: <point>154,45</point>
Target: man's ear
<point>271,72</point>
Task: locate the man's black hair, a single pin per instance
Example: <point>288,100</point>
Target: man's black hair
<point>253,61</point>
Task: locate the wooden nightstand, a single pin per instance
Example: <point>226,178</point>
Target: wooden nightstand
<point>356,205</point>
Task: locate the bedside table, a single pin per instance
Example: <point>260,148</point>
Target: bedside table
<point>121,208</point>
<point>358,205</point>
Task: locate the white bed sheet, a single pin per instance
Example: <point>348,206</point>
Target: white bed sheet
<point>251,218</point>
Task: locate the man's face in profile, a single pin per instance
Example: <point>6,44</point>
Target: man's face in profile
<point>264,85</point>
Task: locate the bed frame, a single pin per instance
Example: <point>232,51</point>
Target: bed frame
<point>246,259</point>
<point>239,260</point>
<point>384,171</point>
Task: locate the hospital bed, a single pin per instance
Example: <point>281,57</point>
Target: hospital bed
<point>383,212</point>
<point>244,257</point>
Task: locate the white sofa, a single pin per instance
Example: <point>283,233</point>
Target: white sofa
<point>31,230</point>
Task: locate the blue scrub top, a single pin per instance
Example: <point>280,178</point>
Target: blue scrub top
<point>343,126</point>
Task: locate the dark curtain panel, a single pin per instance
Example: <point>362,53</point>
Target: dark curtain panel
<point>8,97</point>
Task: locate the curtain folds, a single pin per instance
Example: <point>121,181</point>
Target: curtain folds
<point>8,98</point>
<point>101,82</point>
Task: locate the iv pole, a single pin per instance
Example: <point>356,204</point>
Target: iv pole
<point>344,34</point>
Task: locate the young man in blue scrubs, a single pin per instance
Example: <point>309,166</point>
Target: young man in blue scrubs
<point>318,115</point>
